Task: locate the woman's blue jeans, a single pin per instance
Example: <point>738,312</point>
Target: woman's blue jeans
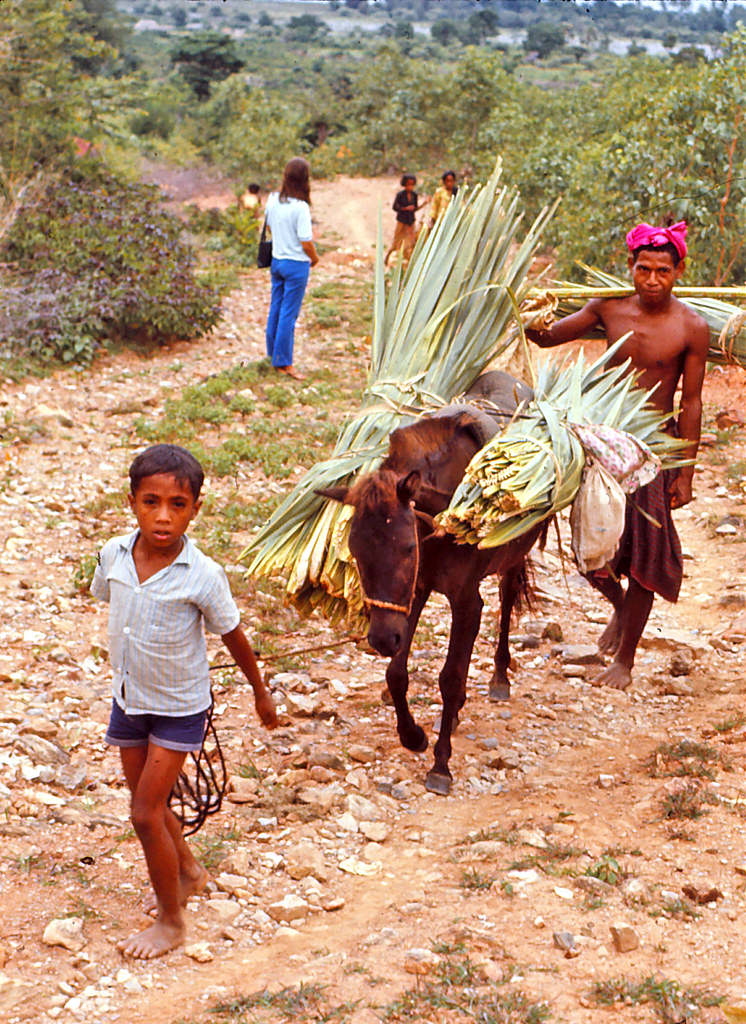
<point>289,280</point>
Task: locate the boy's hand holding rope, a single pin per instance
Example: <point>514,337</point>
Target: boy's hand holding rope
<point>193,800</point>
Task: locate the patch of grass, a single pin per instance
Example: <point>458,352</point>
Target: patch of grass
<point>681,834</point>
<point>736,470</point>
<point>217,523</point>
<point>591,903</point>
<point>671,1001</point>
<point>607,869</point>
<point>24,864</point>
<point>304,1002</point>
<point>457,988</point>
<point>677,907</point>
<point>493,834</point>
<point>107,501</point>
<point>725,436</point>
<point>342,304</point>
<point>688,802</point>
<point>213,849</point>
<point>473,881</point>
<point>241,415</point>
<point>686,758</point>
<point>82,575</point>
<point>548,860</point>
<point>733,721</point>
<point>82,909</point>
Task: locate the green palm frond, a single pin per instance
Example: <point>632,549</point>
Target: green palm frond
<point>533,468</point>
<point>440,323</point>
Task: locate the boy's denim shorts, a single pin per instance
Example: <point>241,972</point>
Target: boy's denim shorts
<point>184,732</point>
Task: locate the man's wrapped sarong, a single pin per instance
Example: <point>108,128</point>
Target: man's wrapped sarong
<point>650,553</point>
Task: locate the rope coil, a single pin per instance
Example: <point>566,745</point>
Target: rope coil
<point>199,793</point>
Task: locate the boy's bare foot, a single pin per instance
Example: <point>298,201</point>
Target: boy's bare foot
<point>154,941</point>
<point>617,676</point>
<point>190,886</point>
<point>608,642</point>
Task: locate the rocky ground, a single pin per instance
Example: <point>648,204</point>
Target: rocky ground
<point>589,864</point>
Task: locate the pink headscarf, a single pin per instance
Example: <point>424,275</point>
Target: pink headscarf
<point>647,235</point>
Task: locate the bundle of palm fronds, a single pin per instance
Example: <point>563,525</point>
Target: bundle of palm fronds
<point>533,468</point>
<point>436,328</point>
<point>715,305</point>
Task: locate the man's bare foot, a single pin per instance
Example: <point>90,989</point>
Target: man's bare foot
<point>154,941</point>
<point>617,676</point>
<point>289,371</point>
<point>191,885</point>
<point>608,642</point>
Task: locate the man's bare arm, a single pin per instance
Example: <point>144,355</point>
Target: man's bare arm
<point>690,411</point>
<point>569,328</point>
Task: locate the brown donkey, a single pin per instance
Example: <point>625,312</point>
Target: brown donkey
<point>402,558</point>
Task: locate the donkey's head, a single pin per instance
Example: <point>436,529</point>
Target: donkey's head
<point>384,543</point>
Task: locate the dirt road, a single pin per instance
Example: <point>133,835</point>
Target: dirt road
<point>569,809</point>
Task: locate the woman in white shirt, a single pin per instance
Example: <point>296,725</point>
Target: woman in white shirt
<point>293,254</point>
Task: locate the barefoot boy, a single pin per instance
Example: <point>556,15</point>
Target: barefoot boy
<point>161,589</point>
<point>669,344</point>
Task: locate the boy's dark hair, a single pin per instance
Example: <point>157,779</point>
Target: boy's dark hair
<point>407,177</point>
<point>167,458</point>
<point>669,247</point>
<point>254,188</point>
<point>445,174</point>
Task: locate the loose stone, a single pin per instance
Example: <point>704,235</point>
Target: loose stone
<point>624,937</point>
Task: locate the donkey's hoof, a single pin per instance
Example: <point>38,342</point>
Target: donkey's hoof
<point>499,691</point>
<point>416,741</point>
<point>437,783</point>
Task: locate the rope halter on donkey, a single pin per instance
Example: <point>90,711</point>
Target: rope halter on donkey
<point>391,606</point>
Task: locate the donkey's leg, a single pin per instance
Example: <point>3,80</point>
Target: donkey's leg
<point>510,584</point>
<point>411,735</point>
<point>466,613</point>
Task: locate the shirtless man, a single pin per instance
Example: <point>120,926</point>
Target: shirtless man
<point>668,345</point>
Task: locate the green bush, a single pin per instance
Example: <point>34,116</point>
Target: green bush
<point>233,232</point>
<point>98,258</point>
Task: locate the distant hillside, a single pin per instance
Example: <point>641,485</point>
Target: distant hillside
<point>669,21</point>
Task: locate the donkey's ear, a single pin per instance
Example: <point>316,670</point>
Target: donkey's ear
<point>335,493</point>
<point>408,487</point>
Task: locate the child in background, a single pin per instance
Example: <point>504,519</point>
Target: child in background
<point>406,204</point>
<point>443,195</point>
<point>250,199</point>
<point>161,589</point>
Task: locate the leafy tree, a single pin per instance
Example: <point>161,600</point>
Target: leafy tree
<point>249,132</point>
<point>102,20</point>
<point>688,55</point>
<point>204,58</point>
<point>544,37</point>
<point>44,96</point>
<point>304,28</point>
<point>617,161</point>
<point>444,31</point>
<point>483,23</point>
